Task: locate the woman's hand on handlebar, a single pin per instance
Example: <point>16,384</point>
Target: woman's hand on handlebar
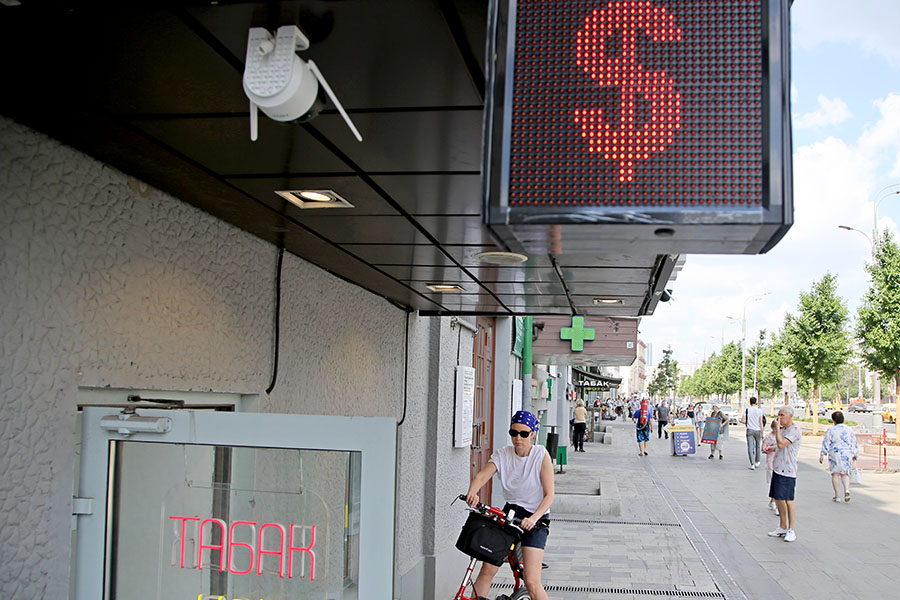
<point>528,523</point>
<point>471,498</point>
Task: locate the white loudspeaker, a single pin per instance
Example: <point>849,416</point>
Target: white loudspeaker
<point>279,82</point>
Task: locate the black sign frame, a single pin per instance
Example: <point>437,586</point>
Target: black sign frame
<point>659,228</point>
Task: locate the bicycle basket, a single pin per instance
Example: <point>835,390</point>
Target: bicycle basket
<point>486,540</point>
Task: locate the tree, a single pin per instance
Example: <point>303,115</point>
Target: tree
<point>878,321</point>
<point>666,378</point>
<point>725,370</point>
<point>770,367</point>
<point>816,342</point>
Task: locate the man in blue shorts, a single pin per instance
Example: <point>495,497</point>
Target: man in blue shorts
<point>784,472</point>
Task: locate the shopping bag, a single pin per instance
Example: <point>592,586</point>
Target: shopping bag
<point>855,475</point>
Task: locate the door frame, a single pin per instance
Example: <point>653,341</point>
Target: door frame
<point>374,437</point>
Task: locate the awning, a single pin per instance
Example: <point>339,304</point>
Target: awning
<point>605,379</point>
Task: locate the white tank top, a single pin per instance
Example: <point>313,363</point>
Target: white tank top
<point>520,476</point>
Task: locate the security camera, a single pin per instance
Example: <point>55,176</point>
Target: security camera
<point>280,83</point>
<point>666,296</point>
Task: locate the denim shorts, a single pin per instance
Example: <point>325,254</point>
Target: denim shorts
<point>782,488</point>
<point>537,537</point>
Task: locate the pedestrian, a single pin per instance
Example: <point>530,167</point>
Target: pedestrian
<point>753,418</point>
<point>840,446</point>
<point>784,472</point>
<point>526,475</point>
<point>715,413</point>
<point>580,424</point>
<point>662,419</point>
<point>699,419</point>
<point>768,447</point>
<point>643,418</point>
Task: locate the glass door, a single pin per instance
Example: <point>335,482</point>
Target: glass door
<point>214,506</point>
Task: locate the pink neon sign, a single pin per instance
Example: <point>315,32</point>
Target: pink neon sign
<point>286,539</point>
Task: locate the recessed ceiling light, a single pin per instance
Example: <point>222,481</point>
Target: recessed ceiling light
<point>608,301</point>
<point>501,258</point>
<point>445,287</point>
<point>314,198</point>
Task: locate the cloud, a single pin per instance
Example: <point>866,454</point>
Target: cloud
<point>836,182</point>
<point>831,112</point>
<point>871,23</point>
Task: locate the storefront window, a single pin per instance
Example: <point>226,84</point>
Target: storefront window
<point>202,522</point>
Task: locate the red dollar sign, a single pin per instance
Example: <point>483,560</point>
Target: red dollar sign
<point>626,141</point>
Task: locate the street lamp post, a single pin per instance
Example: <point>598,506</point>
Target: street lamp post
<point>744,345</point>
<point>877,391</point>
<point>879,197</point>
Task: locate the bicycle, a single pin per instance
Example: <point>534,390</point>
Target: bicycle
<point>494,538</point>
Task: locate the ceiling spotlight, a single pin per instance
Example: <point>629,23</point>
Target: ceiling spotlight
<point>501,258</point>
<point>445,287</point>
<point>608,301</point>
<point>314,198</point>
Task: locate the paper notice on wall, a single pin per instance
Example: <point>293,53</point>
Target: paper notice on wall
<point>516,403</point>
<point>465,407</point>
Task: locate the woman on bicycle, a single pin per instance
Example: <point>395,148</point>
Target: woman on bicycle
<point>526,475</point>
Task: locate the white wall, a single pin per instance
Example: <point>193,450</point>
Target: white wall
<point>106,283</point>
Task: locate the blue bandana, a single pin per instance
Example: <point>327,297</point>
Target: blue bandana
<point>523,417</point>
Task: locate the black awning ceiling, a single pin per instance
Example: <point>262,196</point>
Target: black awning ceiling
<point>596,377</point>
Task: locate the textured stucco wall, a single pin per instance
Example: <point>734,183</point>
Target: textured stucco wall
<point>107,283</point>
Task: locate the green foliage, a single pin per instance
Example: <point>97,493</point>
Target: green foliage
<point>666,378</point>
<point>771,363</point>
<point>725,371</point>
<point>816,343</point>
<point>878,322</point>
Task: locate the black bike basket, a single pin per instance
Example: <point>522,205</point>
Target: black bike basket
<point>485,539</point>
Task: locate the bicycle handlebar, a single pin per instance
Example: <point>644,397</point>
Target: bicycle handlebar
<point>495,513</point>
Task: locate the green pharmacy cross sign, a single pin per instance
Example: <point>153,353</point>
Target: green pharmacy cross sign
<point>577,333</point>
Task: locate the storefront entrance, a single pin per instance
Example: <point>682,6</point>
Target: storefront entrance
<point>483,413</point>
<point>198,505</point>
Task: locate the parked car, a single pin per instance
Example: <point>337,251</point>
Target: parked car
<point>889,413</point>
<point>860,407</point>
<point>730,414</point>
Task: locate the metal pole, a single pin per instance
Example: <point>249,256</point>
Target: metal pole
<point>526,363</point>
<point>755,369</point>
<point>743,357</point>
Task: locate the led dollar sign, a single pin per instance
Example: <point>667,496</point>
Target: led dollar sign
<point>625,140</point>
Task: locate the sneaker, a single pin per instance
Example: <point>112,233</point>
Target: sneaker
<point>777,514</point>
<point>752,467</point>
<point>711,457</point>
<point>789,535</point>
<point>847,496</point>
<point>778,532</point>
<point>757,464</point>
<point>720,457</point>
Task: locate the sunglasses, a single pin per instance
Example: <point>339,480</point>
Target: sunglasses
<point>514,433</point>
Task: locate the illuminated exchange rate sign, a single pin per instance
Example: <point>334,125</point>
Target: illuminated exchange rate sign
<point>640,112</point>
<point>621,135</point>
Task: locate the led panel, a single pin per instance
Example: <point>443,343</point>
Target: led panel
<point>644,112</point>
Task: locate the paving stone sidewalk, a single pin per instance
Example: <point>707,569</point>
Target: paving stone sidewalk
<point>644,552</point>
<point>696,528</point>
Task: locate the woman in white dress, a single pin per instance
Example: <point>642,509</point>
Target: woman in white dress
<point>839,445</point>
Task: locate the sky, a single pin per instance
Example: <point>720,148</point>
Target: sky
<point>845,95</point>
